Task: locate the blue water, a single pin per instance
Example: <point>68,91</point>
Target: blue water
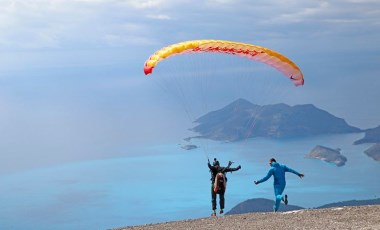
<point>166,183</point>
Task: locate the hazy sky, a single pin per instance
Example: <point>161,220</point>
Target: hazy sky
<point>71,71</point>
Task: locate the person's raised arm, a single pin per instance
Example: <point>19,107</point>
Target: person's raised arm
<point>232,169</point>
<point>287,169</point>
<point>210,166</point>
<point>269,174</point>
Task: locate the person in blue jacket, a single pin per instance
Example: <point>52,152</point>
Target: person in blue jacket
<point>278,172</point>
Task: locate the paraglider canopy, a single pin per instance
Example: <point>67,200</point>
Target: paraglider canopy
<point>254,52</point>
<point>148,70</point>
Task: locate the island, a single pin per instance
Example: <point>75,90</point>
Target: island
<point>242,119</point>
<point>189,147</point>
<point>327,154</point>
<point>374,152</point>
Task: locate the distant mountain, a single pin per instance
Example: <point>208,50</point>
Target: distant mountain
<point>351,203</point>
<point>328,155</point>
<point>260,205</point>
<point>265,205</point>
<point>241,119</point>
<point>371,136</point>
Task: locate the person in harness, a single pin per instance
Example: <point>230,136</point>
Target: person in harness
<point>219,183</point>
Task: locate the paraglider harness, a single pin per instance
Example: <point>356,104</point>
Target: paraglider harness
<point>220,180</point>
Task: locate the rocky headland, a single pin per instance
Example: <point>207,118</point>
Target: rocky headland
<point>371,136</point>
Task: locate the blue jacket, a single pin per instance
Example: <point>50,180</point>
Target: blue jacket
<point>278,172</point>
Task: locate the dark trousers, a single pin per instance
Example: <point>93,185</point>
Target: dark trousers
<point>213,198</point>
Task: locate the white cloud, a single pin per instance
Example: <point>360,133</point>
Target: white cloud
<point>115,40</point>
<point>147,4</point>
<point>72,24</point>
<point>222,1</point>
<point>36,24</point>
<point>159,17</point>
<point>363,1</point>
<point>57,24</point>
<point>287,12</point>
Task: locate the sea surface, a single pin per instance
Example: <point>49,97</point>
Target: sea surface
<point>158,183</point>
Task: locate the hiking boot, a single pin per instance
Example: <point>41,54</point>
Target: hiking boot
<point>221,211</point>
<point>286,199</point>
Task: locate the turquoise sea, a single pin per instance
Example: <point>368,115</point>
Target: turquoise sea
<point>164,182</point>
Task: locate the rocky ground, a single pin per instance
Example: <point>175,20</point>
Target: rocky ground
<point>354,217</point>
